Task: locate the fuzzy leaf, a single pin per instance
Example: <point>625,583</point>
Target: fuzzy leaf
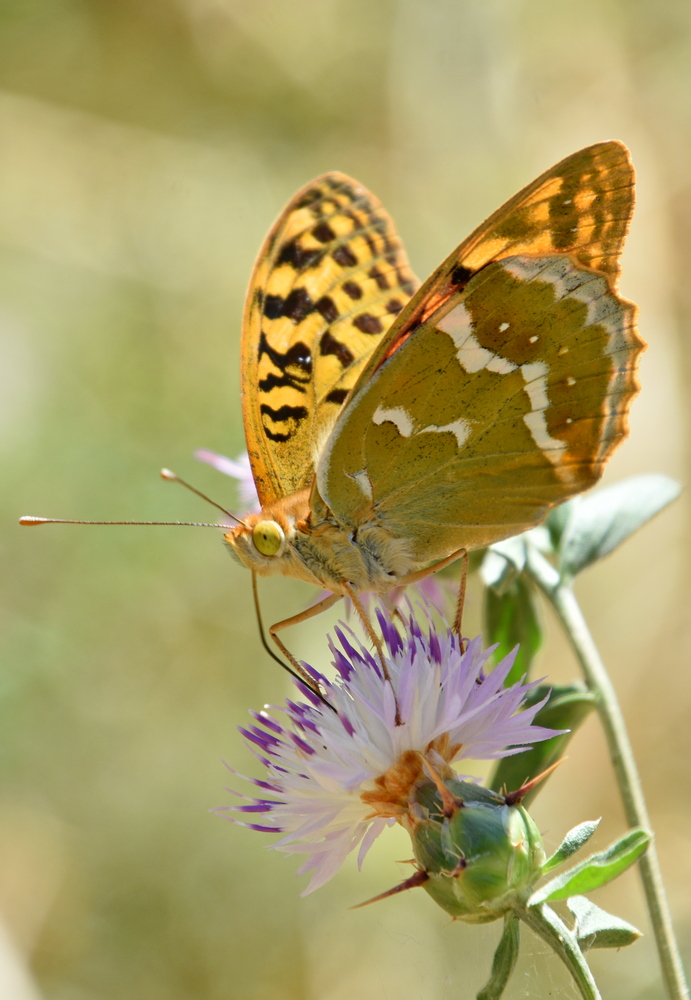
<point>595,928</point>
<point>504,959</point>
<point>572,842</point>
<point>606,518</point>
<point>567,708</point>
<point>511,618</point>
<point>597,870</point>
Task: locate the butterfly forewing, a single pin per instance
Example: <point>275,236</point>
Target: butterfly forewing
<point>328,283</point>
<point>582,206</point>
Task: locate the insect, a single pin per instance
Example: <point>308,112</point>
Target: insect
<point>392,427</point>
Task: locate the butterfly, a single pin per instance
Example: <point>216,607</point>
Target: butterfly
<point>391,427</point>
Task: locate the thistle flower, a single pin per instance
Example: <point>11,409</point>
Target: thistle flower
<point>338,776</point>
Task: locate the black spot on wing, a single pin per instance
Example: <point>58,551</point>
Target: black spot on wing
<point>324,233</point>
<point>284,412</point>
<point>296,357</point>
<point>344,256</point>
<point>352,289</point>
<point>297,256</point>
<point>368,323</point>
<point>273,306</point>
<point>327,307</point>
<point>381,279</point>
<point>329,345</point>
<point>290,416</point>
<point>337,396</point>
<point>298,305</point>
<point>394,306</point>
<point>272,381</point>
<point>309,198</point>
<point>461,275</point>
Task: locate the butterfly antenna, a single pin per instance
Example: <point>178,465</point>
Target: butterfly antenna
<point>29,521</point>
<point>172,477</point>
<point>277,659</point>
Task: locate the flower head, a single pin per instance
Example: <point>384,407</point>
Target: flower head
<point>337,776</point>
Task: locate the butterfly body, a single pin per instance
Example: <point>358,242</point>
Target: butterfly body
<point>389,427</point>
<point>325,553</point>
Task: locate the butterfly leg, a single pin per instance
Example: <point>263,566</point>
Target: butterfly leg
<point>304,616</point>
<point>374,638</point>
<point>458,620</point>
<point>369,628</point>
<point>421,574</point>
<point>390,602</point>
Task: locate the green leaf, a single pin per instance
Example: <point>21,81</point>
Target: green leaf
<point>606,518</point>
<point>504,960</point>
<point>597,870</point>
<point>567,708</point>
<point>572,842</point>
<point>595,928</point>
<point>511,618</point>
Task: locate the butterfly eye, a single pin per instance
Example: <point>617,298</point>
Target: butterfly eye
<point>267,537</point>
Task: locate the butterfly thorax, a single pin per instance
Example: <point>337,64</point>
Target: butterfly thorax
<point>281,538</point>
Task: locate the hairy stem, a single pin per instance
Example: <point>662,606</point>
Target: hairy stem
<point>564,602</point>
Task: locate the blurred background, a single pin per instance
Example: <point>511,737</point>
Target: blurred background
<point>145,148</point>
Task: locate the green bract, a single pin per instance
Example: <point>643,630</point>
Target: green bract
<point>483,859</point>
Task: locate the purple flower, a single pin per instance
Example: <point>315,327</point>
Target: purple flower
<point>336,779</point>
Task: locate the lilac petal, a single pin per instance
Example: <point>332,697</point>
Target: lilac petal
<point>308,693</point>
<point>257,808</point>
<point>305,747</point>
<point>375,829</point>
<point>267,721</point>
<point>226,465</point>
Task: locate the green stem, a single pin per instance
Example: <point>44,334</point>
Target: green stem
<point>564,602</point>
<point>505,958</point>
<point>545,923</point>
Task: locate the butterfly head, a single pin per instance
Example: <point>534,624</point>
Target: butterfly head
<point>260,543</point>
<point>264,542</point>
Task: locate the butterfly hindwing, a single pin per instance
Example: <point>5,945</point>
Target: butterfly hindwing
<point>511,391</point>
<point>328,283</point>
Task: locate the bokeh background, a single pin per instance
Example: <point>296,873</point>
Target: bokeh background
<point>145,148</point>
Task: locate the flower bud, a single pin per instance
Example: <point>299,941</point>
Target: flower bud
<point>482,856</point>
